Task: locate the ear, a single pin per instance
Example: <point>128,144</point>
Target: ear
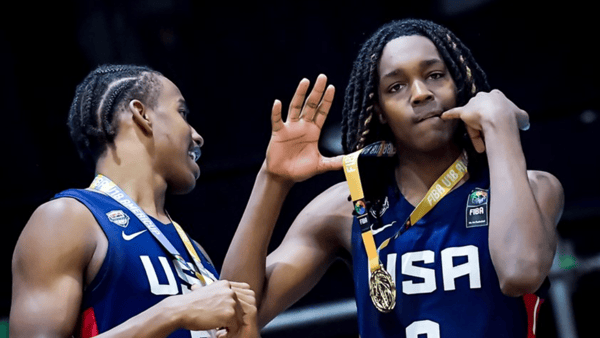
<point>139,114</point>
<point>379,113</point>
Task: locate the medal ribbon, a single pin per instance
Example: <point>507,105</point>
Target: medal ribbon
<point>358,199</point>
<point>104,185</point>
<point>442,186</point>
<point>194,255</point>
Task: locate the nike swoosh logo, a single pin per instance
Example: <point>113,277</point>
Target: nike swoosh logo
<point>376,231</point>
<point>132,236</point>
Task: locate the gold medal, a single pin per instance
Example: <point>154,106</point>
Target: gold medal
<point>382,290</point>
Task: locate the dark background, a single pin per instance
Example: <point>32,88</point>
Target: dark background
<point>231,60</point>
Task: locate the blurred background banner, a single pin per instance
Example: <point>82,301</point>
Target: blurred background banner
<point>231,60</point>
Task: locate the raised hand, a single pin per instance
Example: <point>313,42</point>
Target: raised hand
<point>293,152</point>
<point>485,110</point>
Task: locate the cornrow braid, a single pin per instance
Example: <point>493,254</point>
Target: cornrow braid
<point>102,93</point>
<point>358,125</point>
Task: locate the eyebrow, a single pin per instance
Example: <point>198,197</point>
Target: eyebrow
<point>422,64</point>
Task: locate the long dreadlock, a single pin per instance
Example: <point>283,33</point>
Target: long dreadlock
<point>359,128</point>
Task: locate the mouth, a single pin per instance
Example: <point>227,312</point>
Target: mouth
<point>430,115</point>
<point>194,153</point>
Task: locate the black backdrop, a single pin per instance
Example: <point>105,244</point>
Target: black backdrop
<point>231,60</point>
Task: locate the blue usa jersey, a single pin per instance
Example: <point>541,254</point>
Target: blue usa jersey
<point>446,285</point>
<point>137,272</point>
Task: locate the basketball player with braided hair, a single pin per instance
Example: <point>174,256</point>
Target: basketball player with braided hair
<point>109,261</point>
<point>459,238</point>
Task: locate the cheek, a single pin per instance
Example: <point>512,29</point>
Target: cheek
<point>448,94</point>
<point>401,126</point>
<point>396,114</point>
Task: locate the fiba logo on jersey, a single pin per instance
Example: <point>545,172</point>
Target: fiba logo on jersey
<point>360,207</point>
<point>118,217</point>
<point>478,197</point>
<point>477,208</point>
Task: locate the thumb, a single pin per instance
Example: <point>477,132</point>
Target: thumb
<point>523,120</point>
<point>222,333</point>
<point>276,121</point>
<point>331,163</point>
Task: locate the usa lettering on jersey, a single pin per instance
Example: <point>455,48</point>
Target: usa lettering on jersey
<point>410,266</point>
<point>169,288</point>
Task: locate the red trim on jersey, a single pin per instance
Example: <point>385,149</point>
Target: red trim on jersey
<point>89,326</point>
<point>532,306</point>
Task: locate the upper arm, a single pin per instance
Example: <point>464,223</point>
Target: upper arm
<point>48,268</point>
<point>549,195</point>
<point>318,236</point>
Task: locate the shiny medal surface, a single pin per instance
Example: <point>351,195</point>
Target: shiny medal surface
<point>382,290</point>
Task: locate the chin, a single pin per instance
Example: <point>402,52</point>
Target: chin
<point>434,142</point>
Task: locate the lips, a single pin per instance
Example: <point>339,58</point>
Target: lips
<point>432,114</point>
<point>195,153</point>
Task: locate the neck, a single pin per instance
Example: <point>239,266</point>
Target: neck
<point>133,173</point>
<point>417,171</point>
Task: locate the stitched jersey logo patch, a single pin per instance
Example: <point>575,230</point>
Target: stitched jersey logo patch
<point>477,208</point>
<point>119,217</point>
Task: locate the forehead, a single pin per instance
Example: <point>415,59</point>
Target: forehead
<point>168,91</point>
<point>406,52</point>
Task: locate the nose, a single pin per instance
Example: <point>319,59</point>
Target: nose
<point>196,137</point>
<point>420,93</point>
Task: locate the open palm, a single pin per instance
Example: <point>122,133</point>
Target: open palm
<point>293,152</point>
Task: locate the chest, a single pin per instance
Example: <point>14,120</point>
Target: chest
<point>135,257</point>
<point>445,250</point>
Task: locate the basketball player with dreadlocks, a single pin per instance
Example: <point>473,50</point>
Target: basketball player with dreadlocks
<point>452,237</point>
<point>109,261</point>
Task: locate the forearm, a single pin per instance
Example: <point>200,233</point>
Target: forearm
<point>156,322</point>
<point>246,258</point>
<point>522,242</point>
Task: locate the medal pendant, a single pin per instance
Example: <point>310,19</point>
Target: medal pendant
<point>382,290</point>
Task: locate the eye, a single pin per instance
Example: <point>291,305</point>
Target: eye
<point>183,113</point>
<point>436,75</point>
<point>396,87</point>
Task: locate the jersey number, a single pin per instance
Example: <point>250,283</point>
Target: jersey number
<point>423,327</point>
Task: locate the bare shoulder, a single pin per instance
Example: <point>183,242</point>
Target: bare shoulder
<point>548,192</point>
<point>58,217</point>
<point>61,231</point>
<point>49,266</point>
<point>61,207</point>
